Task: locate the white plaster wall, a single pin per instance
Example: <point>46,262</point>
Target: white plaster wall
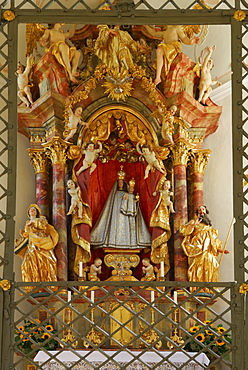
<point>218,186</point>
<point>25,191</point>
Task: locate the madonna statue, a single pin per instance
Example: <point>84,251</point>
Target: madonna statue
<point>121,224</point>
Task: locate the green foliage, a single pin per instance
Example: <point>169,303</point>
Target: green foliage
<point>31,336</point>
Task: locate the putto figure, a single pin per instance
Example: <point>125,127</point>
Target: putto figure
<point>74,120</point>
<point>202,246</point>
<point>76,201</point>
<point>150,158</point>
<point>205,77</point>
<point>148,270</point>
<point>90,156</point>
<point>167,51</point>
<point>67,56</point>
<point>95,269</point>
<point>166,193</point>
<point>23,82</point>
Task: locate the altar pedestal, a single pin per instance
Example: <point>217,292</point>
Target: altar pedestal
<point>135,360</point>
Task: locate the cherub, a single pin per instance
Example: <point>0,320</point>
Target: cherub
<point>166,193</point>
<point>23,83</point>
<point>167,51</point>
<point>76,201</point>
<point>95,268</point>
<point>67,56</point>
<point>151,159</point>
<point>205,77</point>
<point>90,156</point>
<point>74,120</point>
<point>148,270</point>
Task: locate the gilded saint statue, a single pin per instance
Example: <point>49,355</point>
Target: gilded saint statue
<point>115,48</point>
<point>36,248</point>
<point>202,246</point>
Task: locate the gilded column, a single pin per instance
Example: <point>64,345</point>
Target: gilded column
<point>180,153</point>
<point>39,161</point>
<point>198,162</point>
<point>56,151</point>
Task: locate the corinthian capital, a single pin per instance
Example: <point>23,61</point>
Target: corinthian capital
<point>38,159</point>
<point>180,152</point>
<point>199,160</point>
<point>56,150</point>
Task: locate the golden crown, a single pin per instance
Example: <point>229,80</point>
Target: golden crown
<point>132,182</point>
<point>121,174</point>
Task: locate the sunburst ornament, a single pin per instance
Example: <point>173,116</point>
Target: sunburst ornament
<point>119,87</point>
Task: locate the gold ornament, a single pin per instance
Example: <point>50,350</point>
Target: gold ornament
<point>243,289</point>
<point>8,15</point>
<point>5,284</point>
<point>239,15</point>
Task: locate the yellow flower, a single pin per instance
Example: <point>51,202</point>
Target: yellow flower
<point>21,328</point>
<point>219,342</point>
<point>46,336</point>
<point>200,337</point>
<point>194,329</point>
<point>208,332</point>
<point>37,320</point>
<point>221,329</point>
<point>49,327</point>
<point>207,322</point>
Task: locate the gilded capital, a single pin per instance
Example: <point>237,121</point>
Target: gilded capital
<point>199,160</point>
<point>56,150</point>
<point>38,159</point>
<point>180,152</point>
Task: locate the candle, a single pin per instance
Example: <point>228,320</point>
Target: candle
<point>162,268</point>
<point>80,269</point>
<point>152,296</point>
<point>175,296</point>
<point>92,296</point>
<point>69,296</point>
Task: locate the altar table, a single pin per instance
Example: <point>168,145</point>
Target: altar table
<point>96,358</point>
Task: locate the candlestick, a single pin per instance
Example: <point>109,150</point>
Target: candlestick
<point>175,296</point>
<point>92,296</point>
<point>162,268</point>
<point>80,269</point>
<point>152,296</point>
<point>69,296</point>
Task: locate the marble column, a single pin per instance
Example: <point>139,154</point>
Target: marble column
<point>180,153</point>
<point>39,161</point>
<point>198,162</point>
<point>56,150</point>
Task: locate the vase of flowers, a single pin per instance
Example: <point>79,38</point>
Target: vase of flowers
<point>31,336</point>
<point>216,339</point>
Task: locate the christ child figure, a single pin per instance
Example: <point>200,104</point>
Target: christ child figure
<point>76,201</point>
<point>150,158</point>
<point>23,83</point>
<point>74,120</point>
<point>90,156</point>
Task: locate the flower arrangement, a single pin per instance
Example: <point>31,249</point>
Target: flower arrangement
<point>215,337</point>
<point>31,333</point>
